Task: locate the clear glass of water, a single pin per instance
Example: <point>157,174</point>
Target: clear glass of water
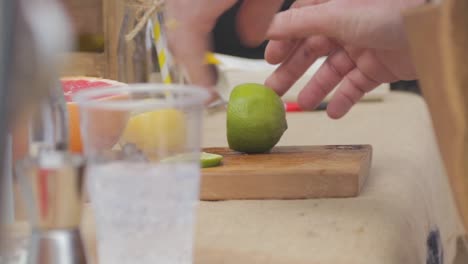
<point>142,145</point>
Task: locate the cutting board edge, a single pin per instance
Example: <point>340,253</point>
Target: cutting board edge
<point>293,186</point>
<point>219,188</point>
<point>273,198</point>
<point>365,169</point>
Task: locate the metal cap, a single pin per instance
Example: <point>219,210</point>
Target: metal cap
<point>57,247</point>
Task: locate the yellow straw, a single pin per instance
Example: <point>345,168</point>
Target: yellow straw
<point>163,56</point>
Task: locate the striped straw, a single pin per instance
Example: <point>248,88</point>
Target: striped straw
<point>164,57</point>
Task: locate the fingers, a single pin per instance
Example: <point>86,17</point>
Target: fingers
<point>189,37</point>
<point>350,91</point>
<point>192,58</point>
<point>306,53</point>
<point>254,18</point>
<point>374,25</point>
<point>298,23</point>
<point>328,76</point>
<point>277,51</point>
<point>302,3</point>
<point>369,62</point>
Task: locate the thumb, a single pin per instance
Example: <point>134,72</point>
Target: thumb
<point>303,22</point>
<point>369,27</point>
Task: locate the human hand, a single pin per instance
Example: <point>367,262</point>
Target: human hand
<point>189,37</point>
<point>363,39</point>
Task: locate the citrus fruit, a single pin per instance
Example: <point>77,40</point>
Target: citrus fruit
<point>159,130</point>
<point>207,160</point>
<point>210,160</point>
<point>256,118</point>
<point>72,85</point>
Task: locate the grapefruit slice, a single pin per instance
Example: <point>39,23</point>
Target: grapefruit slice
<point>107,127</point>
<point>72,85</point>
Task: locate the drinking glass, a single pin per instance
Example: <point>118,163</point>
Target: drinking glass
<point>142,145</point>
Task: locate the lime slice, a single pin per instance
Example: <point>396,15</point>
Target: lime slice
<point>210,160</point>
<point>179,158</point>
<point>206,159</point>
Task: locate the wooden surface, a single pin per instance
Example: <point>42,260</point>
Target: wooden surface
<point>293,172</point>
<point>84,64</point>
<point>96,17</point>
<point>405,196</point>
<point>113,14</point>
<point>438,39</point>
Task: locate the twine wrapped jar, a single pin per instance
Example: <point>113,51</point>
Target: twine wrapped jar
<point>137,54</point>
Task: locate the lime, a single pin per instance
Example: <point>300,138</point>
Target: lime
<point>210,160</point>
<point>256,118</point>
<point>206,159</point>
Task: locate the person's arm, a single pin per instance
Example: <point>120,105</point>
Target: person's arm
<point>190,24</point>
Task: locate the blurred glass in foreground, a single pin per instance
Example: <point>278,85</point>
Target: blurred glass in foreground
<point>142,145</point>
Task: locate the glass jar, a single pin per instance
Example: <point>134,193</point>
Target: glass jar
<point>48,127</point>
<point>137,56</point>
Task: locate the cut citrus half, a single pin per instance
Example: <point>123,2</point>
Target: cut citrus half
<point>207,160</point>
<point>72,85</point>
<point>210,160</point>
<point>158,130</point>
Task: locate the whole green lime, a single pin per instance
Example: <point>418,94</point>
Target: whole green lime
<point>256,118</point>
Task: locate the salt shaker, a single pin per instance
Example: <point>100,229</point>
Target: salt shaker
<point>52,186</point>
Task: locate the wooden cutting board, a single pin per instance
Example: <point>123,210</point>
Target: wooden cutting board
<point>295,172</point>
